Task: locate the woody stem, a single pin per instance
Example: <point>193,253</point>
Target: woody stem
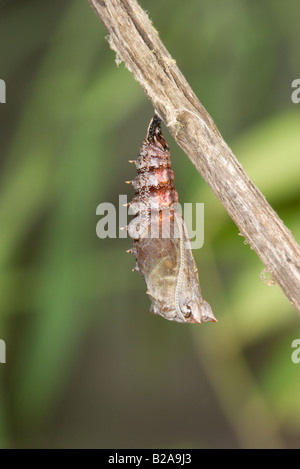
<point>136,42</point>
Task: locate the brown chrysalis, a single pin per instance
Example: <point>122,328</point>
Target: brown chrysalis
<point>160,239</point>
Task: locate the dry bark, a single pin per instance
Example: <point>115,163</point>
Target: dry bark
<point>136,42</point>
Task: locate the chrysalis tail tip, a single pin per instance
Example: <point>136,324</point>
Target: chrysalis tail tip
<point>213,319</point>
<point>210,318</point>
<point>207,314</point>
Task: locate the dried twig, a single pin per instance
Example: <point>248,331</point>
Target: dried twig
<point>136,42</point>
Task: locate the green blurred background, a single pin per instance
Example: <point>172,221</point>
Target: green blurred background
<point>87,364</point>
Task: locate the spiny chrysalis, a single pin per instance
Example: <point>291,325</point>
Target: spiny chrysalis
<point>161,243</point>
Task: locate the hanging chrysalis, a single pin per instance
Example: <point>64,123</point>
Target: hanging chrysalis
<point>160,239</point>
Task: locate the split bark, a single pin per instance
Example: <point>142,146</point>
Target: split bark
<point>136,42</point>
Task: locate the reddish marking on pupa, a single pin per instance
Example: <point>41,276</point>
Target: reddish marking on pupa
<point>160,239</point>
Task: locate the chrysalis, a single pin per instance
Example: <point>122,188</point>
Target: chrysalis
<point>160,239</point>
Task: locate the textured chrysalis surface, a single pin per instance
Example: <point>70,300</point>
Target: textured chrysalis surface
<point>160,239</point>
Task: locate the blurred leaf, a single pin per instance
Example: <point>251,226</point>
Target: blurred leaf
<point>81,164</point>
<point>265,150</point>
<point>281,381</point>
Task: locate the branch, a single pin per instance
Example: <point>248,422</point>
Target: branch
<point>136,42</point>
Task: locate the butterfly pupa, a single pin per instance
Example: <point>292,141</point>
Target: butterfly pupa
<point>161,243</point>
